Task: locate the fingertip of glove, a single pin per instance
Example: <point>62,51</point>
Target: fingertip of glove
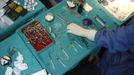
<point>68,31</point>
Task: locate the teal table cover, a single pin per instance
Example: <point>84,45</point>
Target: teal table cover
<point>66,50</point>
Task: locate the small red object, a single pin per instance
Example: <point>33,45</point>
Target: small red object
<point>72,12</point>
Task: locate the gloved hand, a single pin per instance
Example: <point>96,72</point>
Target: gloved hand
<point>132,0</point>
<point>77,30</point>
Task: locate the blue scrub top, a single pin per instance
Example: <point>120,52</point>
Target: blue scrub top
<point>118,58</point>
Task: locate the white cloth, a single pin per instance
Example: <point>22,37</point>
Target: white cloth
<point>19,64</point>
<point>77,30</point>
<point>87,7</point>
<point>9,71</point>
<point>1,12</point>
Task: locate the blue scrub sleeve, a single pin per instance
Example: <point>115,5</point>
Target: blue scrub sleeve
<point>118,40</point>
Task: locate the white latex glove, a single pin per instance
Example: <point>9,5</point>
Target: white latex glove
<point>77,30</point>
<point>131,0</point>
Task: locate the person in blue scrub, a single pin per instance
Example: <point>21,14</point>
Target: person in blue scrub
<point>118,57</point>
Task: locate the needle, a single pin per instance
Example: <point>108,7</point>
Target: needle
<point>63,19</point>
<point>61,61</point>
<point>53,66</point>
<point>74,48</point>
<point>77,44</point>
